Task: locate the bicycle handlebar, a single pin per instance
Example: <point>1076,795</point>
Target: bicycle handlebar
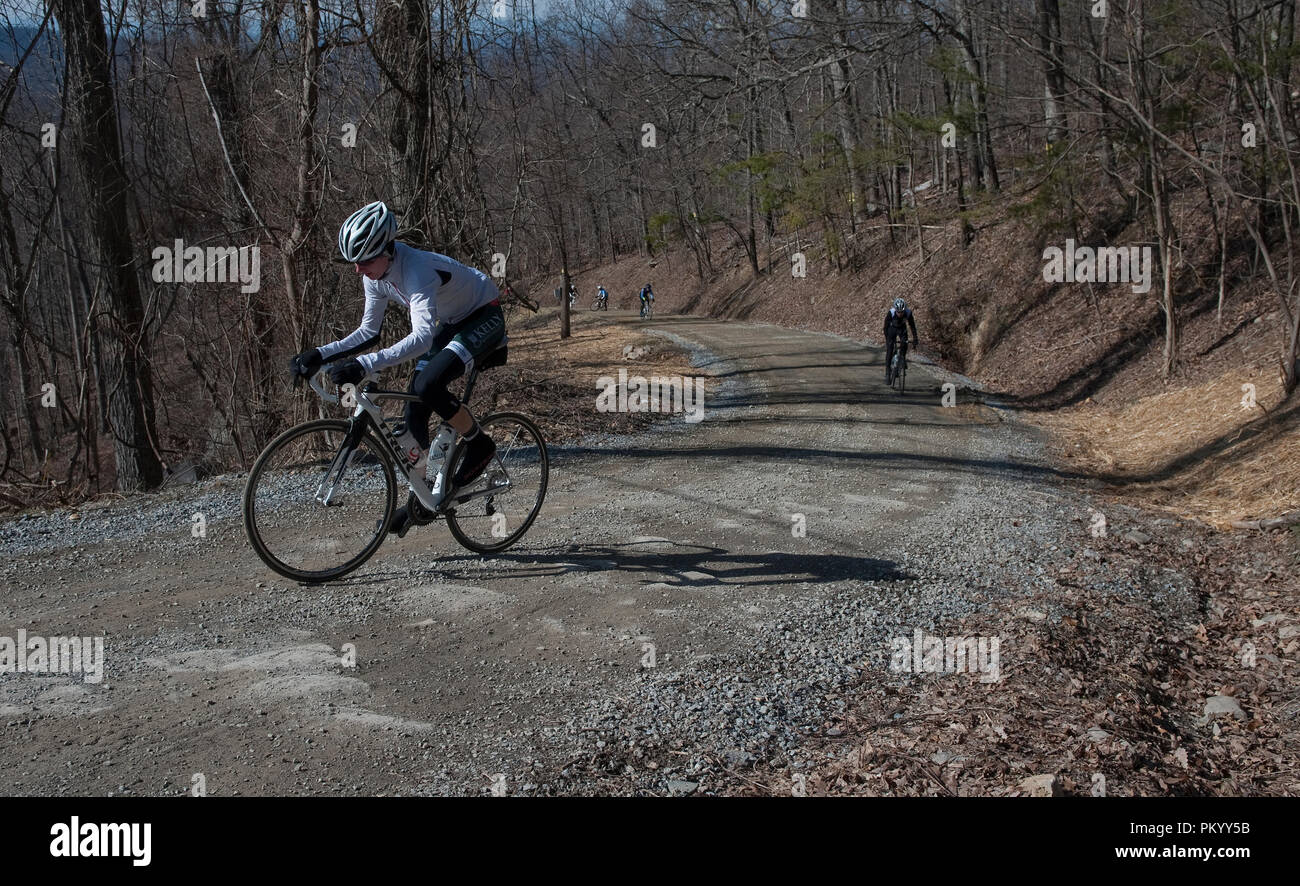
<point>319,388</point>
<point>325,395</point>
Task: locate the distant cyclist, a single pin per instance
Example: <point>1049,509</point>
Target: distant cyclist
<point>647,298</point>
<point>602,297</point>
<point>455,317</point>
<point>897,319</point>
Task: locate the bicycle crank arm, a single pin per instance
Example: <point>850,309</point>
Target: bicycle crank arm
<point>431,501</point>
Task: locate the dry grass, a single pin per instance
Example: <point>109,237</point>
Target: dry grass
<point>1242,463</point>
<point>554,380</point>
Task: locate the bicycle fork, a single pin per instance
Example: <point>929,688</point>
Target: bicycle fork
<point>339,465</point>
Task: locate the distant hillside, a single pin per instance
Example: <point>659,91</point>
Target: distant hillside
<point>14,43</point>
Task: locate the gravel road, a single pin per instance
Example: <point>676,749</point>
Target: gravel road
<point>664,620</point>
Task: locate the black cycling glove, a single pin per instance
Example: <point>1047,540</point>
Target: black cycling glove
<point>349,372</point>
<point>305,364</point>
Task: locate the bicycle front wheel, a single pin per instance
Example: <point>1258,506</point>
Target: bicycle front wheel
<point>319,500</point>
<point>494,511</point>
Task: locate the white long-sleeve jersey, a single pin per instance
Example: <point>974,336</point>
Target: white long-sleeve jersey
<point>436,289</point>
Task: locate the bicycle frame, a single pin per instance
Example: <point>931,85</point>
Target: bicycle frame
<point>368,415</point>
<point>898,366</point>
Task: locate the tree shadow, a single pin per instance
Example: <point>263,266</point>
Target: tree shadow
<point>888,461</point>
<point>738,304</point>
<point>1265,429</point>
<point>1091,377</point>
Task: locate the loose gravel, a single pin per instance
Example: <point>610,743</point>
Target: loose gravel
<point>664,626</point>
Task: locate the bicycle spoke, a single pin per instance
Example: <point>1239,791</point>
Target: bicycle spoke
<point>503,502</point>
<point>314,510</point>
<point>513,440</point>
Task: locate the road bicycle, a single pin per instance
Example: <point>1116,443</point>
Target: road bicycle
<point>898,368</point>
<point>321,496</point>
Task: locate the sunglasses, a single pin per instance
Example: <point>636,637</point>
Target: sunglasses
<point>370,262</point>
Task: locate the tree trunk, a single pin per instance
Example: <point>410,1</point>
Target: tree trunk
<point>1049,44</point>
<point>307,191</point>
<point>403,47</point>
<point>99,157</point>
<point>986,169</point>
<point>1158,187</point>
<point>834,41</point>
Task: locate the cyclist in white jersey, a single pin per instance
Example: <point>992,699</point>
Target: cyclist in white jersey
<point>455,317</point>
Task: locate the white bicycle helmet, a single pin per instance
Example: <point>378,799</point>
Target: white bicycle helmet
<point>900,305</point>
<point>367,232</point>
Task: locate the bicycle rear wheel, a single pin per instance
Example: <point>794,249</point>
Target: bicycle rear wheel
<point>505,499</point>
<point>287,522</point>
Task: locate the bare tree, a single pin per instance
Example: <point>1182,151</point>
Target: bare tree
<point>99,158</point>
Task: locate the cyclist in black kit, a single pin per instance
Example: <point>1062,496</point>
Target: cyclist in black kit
<point>897,319</point>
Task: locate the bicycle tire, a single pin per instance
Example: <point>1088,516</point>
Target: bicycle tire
<point>255,475</point>
<point>454,521</point>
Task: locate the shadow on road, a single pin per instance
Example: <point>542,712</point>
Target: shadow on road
<point>691,566</point>
<point>902,461</point>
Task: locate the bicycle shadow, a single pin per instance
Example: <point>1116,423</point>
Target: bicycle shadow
<point>685,565</point>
